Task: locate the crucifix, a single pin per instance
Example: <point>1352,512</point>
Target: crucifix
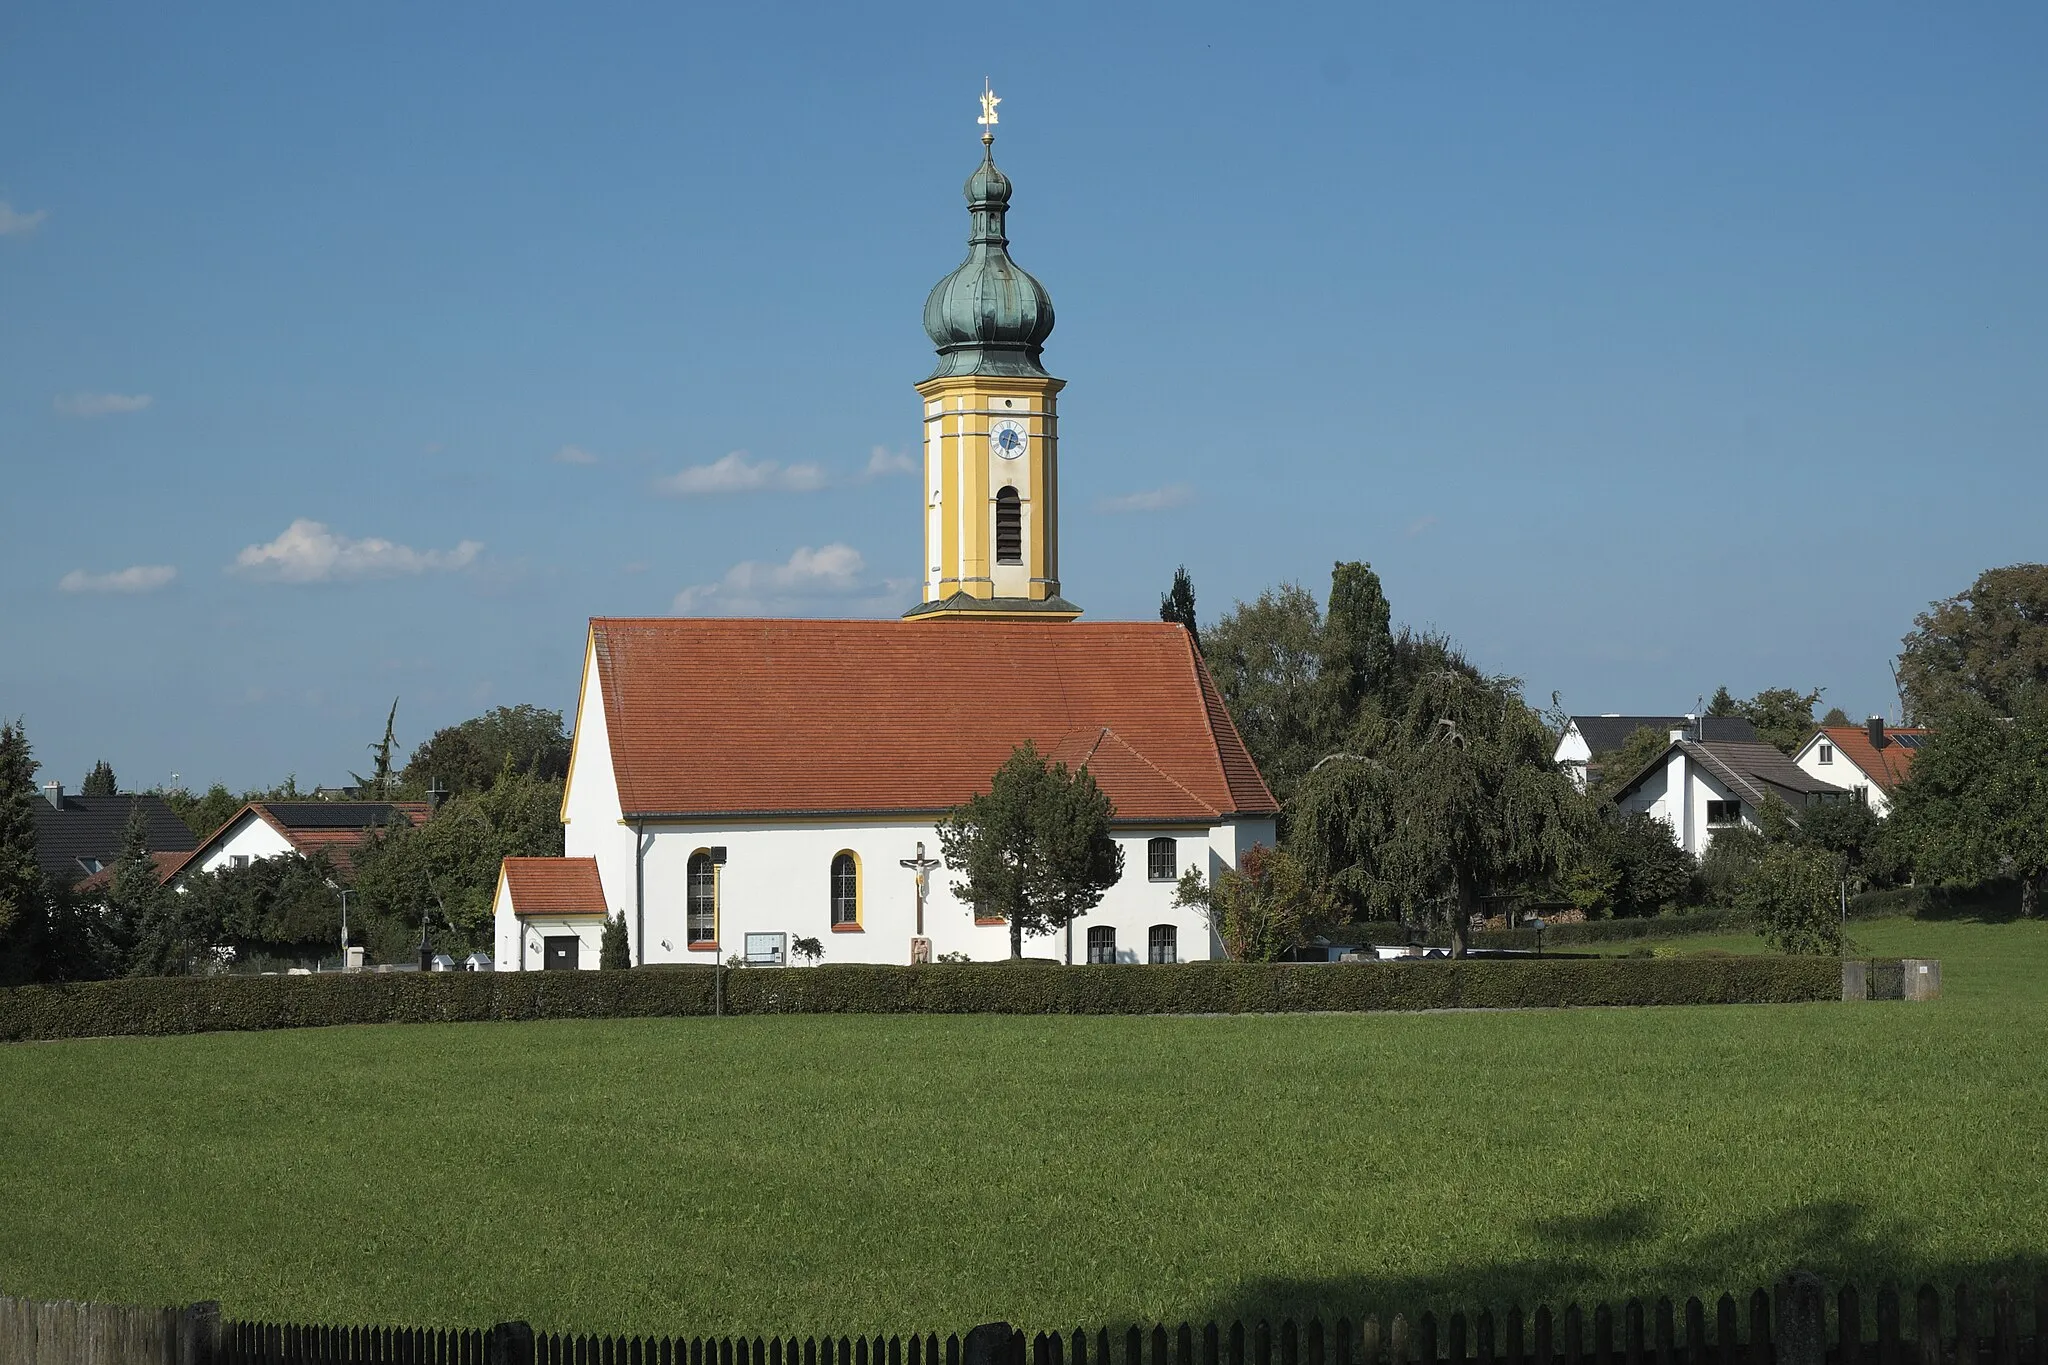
<point>922,866</point>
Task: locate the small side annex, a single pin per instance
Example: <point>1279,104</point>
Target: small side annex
<point>549,913</point>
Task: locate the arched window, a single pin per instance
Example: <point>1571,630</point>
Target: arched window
<point>1102,944</point>
<point>1161,945</point>
<point>845,891</point>
<point>1162,860</point>
<point>700,919</point>
<point>1009,527</point>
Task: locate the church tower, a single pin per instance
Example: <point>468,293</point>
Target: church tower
<point>991,427</point>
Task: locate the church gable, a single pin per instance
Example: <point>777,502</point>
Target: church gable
<point>731,718</point>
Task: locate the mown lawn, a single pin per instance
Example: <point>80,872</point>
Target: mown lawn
<point>782,1174</point>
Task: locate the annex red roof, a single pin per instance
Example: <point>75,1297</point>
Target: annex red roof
<point>777,717</point>
<point>554,886</point>
<point>1887,767</point>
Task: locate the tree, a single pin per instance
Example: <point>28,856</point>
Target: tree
<point>1835,716</point>
<point>1846,829</point>
<point>1783,717</point>
<point>807,950</point>
<point>1610,769</point>
<point>135,894</point>
<point>1358,641</point>
<point>1976,807</point>
<point>448,867</point>
<point>24,891</point>
<point>1267,658</point>
<point>100,781</point>
<point>615,950</point>
<point>1035,847</point>
<point>1263,908</point>
<point>1455,802</point>
<point>1178,603</point>
<point>286,907</point>
<point>203,814</point>
<point>1791,894</point>
<point>1630,866</point>
<point>378,784</point>
<point>1988,643</point>
<point>529,741</point>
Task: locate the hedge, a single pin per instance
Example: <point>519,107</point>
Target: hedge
<point>1617,930</point>
<point>168,1005</point>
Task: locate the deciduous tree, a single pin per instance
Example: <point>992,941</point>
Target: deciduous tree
<point>529,741</point>
<point>1035,847</point>
<point>1263,908</point>
<point>1783,716</point>
<point>1976,807</point>
<point>1792,895</point>
<point>1988,643</point>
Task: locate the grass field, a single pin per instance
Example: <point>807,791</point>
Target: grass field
<point>847,1173</point>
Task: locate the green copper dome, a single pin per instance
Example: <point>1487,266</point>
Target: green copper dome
<point>988,317</point>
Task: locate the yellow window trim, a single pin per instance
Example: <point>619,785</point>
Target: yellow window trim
<point>860,891</point>
<point>717,902</point>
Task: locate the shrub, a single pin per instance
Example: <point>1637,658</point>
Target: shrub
<point>1616,931</point>
<point>1792,895</point>
<point>167,1005</point>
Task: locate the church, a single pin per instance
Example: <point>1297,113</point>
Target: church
<point>740,787</point>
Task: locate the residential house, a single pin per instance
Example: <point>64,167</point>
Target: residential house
<point>1702,786</point>
<point>78,837</point>
<point>1586,737</point>
<point>270,829</point>
<point>1870,759</point>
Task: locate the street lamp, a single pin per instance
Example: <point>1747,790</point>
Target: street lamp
<point>346,892</point>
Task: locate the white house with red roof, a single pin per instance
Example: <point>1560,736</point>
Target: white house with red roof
<point>1870,759</point>
<point>739,785</point>
<point>271,829</point>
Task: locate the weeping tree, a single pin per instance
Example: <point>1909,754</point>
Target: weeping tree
<point>1434,809</point>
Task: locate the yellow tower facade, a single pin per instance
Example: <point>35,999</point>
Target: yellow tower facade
<point>991,427</point>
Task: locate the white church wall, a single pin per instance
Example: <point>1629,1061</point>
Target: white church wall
<point>777,879</point>
<point>590,803</point>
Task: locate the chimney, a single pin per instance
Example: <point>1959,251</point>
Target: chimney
<point>1875,725</point>
<point>53,792</point>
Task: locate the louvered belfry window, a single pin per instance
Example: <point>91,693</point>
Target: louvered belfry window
<point>1009,527</point>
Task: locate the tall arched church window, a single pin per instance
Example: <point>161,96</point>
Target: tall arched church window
<point>1102,944</point>
<point>1162,860</point>
<point>700,917</point>
<point>845,891</point>
<point>1009,527</point>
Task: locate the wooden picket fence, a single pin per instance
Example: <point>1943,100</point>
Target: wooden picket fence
<point>1792,1326</point>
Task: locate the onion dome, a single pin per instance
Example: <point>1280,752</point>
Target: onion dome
<point>988,317</point>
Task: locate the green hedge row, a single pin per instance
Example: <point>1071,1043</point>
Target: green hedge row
<point>165,1005</point>
<point>1618,930</point>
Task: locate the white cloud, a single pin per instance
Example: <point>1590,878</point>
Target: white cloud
<point>831,576</point>
<point>14,223</point>
<point>574,455</point>
<point>308,552</point>
<point>741,473</point>
<point>1150,500</point>
<point>1419,525</point>
<point>100,404</point>
<point>140,578</point>
<point>883,462</point>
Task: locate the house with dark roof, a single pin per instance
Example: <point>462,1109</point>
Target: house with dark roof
<point>78,837</point>
<point>1870,759</point>
<point>1700,787</point>
<point>1587,737</point>
<point>270,829</point>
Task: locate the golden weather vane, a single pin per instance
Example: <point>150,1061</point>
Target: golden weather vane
<point>989,101</point>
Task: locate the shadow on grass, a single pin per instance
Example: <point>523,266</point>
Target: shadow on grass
<point>1626,1250</point>
<point>1994,903</point>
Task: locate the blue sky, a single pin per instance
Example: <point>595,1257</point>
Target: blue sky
<point>351,352</point>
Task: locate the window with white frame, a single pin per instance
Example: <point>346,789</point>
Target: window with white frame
<point>1827,753</point>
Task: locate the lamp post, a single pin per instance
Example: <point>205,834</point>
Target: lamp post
<point>346,892</point>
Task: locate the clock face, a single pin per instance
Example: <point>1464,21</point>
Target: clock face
<point>1009,439</point>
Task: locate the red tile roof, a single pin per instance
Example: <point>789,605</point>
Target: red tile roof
<point>757,717</point>
<point>554,886</point>
<point>1887,767</point>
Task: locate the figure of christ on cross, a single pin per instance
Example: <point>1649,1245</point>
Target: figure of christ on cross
<point>922,866</point>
